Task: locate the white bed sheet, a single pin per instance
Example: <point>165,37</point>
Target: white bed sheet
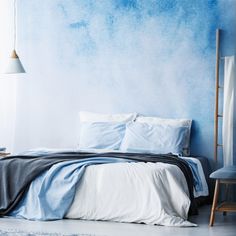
<point>151,193</point>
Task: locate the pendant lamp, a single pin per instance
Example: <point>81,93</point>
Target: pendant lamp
<point>14,64</point>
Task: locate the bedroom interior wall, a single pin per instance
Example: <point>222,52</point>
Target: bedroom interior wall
<point>154,57</point>
<point>8,84</point>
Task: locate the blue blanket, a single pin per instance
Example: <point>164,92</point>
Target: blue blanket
<point>51,194</point>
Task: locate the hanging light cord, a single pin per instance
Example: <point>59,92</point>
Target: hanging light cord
<point>14,25</point>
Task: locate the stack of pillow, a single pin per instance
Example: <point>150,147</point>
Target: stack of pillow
<point>134,133</point>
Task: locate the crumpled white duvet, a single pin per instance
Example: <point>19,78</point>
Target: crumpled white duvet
<point>151,193</point>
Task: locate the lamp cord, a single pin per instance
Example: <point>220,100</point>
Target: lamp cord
<point>14,25</point>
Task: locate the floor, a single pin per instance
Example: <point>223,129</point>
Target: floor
<point>224,226</point>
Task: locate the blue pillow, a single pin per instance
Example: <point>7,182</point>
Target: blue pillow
<point>154,138</point>
<point>101,135</point>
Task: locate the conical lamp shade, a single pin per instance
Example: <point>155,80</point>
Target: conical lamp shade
<point>14,64</point>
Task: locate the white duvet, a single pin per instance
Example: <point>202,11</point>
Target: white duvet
<point>151,193</point>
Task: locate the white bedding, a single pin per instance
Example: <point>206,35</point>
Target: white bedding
<point>151,193</point>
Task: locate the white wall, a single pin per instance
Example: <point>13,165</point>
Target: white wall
<point>8,84</point>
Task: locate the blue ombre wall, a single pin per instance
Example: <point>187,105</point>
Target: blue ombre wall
<point>155,57</point>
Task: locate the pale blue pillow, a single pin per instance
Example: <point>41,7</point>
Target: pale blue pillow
<point>154,138</point>
<point>101,135</point>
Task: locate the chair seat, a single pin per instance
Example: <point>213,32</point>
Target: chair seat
<point>227,172</point>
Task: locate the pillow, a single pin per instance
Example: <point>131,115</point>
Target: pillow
<point>101,135</point>
<point>154,138</point>
<point>174,122</point>
<point>97,117</point>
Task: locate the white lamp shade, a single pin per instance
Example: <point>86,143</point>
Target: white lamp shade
<point>14,65</point>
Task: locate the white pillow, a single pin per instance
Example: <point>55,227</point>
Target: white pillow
<point>153,138</point>
<point>99,117</point>
<point>101,135</point>
<point>174,122</point>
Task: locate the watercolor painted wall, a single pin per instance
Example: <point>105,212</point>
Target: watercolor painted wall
<point>155,57</point>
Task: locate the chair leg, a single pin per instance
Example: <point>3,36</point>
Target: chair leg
<point>226,196</point>
<point>215,200</point>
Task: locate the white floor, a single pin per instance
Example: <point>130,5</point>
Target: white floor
<point>224,226</point>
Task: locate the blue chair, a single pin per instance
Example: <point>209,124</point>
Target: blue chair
<point>225,175</point>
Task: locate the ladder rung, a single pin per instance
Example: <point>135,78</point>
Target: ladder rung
<point>219,145</point>
<point>219,115</point>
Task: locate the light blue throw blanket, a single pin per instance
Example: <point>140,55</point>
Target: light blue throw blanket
<point>51,194</point>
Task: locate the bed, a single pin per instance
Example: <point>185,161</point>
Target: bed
<point>122,184</point>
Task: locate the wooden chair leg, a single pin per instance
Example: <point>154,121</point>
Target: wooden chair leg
<point>215,200</point>
<point>226,196</point>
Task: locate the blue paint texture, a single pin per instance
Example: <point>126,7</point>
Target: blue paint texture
<point>126,4</point>
<point>78,25</point>
<point>155,57</point>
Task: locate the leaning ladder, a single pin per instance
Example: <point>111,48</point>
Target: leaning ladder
<point>217,87</point>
